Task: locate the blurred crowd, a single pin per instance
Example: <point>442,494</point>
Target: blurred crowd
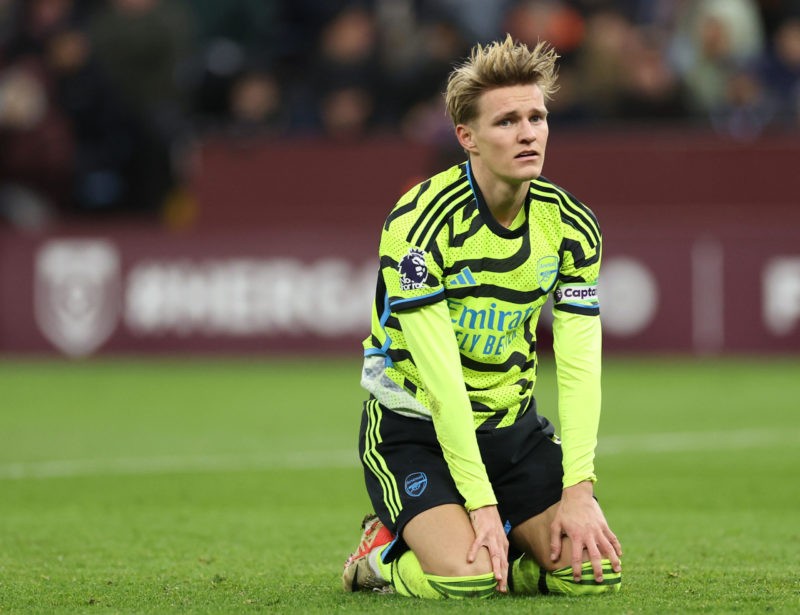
<point>101,100</point>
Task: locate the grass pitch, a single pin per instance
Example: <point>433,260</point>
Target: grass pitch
<point>209,487</point>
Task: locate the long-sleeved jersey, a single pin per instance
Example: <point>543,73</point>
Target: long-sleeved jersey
<point>473,291</point>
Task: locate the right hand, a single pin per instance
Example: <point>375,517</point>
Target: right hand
<point>489,533</point>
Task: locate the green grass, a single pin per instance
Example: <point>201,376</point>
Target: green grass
<point>205,486</point>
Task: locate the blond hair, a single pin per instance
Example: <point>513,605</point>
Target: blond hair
<point>498,64</point>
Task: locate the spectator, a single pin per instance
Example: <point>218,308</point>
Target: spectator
<point>252,25</point>
<point>344,77</point>
<point>7,20</point>
<point>478,20</point>
<point>781,70</point>
<point>746,108</point>
<point>554,21</point>
<point>235,39</point>
<point>36,149</point>
<point>713,41</point>
<point>141,45</point>
<point>121,87</point>
<point>651,89</point>
<point>256,106</point>
<point>602,61</point>
<point>116,165</point>
<point>413,80</point>
<point>33,23</point>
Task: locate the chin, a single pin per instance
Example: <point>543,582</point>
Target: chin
<point>529,174</point>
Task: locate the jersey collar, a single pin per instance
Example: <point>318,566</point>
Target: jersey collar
<point>486,214</point>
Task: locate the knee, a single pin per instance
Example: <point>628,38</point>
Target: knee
<point>468,586</point>
<point>459,567</point>
<point>452,577</point>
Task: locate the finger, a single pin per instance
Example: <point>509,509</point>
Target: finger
<point>499,575</point>
<point>555,541</point>
<point>503,581</point>
<point>616,564</point>
<point>596,558</point>
<point>473,550</point>
<point>499,557</point>
<point>504,548</point>
<point>577,560</point>
<point>611,548</point>
<point>615,543</point>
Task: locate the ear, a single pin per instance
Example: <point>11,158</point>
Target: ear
<point>465,137</point>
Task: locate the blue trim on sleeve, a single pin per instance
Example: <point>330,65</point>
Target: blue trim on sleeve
<point>411,302</point>
<point>383,350</point>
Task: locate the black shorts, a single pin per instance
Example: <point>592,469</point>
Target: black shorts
<point>406,474</point>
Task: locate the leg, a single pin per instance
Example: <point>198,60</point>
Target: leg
<point>535,572</point>
<point>440,538</point>
<point>431,521</point>
<point>437,567</point>
<point>532,537</point>
<point>529,490</point>
<point>443,536</point>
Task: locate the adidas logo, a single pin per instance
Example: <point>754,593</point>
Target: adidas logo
<point>464,278</point>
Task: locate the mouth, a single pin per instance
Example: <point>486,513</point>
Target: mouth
<point>527,155</point>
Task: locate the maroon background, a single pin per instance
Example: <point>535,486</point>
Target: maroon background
<point>746,255</point>
<point>655,195</point>
<point>694,182</point>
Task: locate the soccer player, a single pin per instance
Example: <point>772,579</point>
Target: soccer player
<point>458,463</point>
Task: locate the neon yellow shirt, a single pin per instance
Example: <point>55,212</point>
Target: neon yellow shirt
<point>454,321</point>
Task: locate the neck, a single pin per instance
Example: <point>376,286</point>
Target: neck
<point>504,199</point>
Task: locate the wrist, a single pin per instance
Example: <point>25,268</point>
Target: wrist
<point>581,489</point>
<point>573,478</point>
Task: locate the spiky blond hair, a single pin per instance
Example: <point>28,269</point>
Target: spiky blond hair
<point>498,64</point>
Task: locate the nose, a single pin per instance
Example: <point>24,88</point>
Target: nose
<point>527,132</point>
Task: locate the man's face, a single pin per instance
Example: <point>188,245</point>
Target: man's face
<point>509,135</point>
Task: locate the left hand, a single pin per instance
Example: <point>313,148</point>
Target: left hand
<point>489,533</point>
<point>579,517</point>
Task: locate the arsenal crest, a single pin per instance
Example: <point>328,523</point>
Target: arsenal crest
<point>546,272</point>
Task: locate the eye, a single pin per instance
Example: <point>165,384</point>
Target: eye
<point>505,122</point>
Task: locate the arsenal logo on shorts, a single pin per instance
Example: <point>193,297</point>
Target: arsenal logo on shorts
<point>415,484</point>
